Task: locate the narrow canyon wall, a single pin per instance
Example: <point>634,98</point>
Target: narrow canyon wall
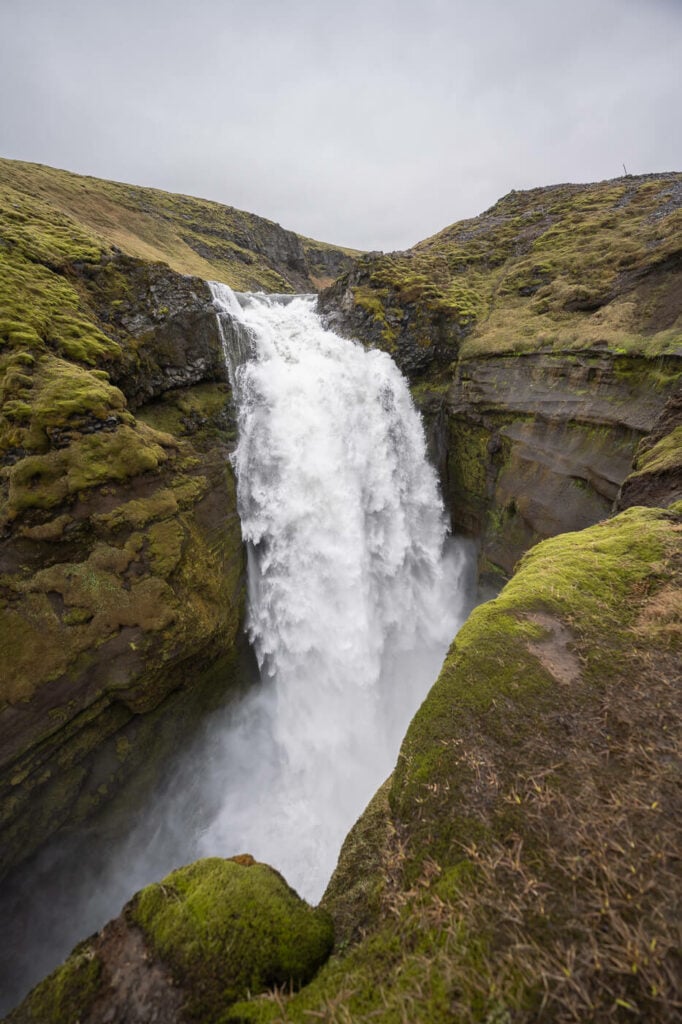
<point>120,548</point>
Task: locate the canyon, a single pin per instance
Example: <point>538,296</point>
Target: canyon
<point>542,346</point>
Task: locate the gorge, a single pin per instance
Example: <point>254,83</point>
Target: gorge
<point>352,604</point>
<point>541,342</point>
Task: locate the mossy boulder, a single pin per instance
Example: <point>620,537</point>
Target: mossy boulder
<point>185,949</point>
<point>521,863</point>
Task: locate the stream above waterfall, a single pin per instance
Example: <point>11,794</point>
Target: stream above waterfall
<point>355,590</point>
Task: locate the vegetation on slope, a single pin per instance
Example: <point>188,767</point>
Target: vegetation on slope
<point>522,863</point>
<point>193,236</point>
<point>563,267</point>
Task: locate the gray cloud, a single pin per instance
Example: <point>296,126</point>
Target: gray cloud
<point>368,124</point>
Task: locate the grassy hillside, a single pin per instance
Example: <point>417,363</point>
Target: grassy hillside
<point>562,267</point>
<point>193,236</point>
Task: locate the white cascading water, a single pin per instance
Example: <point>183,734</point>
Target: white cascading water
<point>353,593</point>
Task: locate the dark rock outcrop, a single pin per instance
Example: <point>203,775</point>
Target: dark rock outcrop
<point>413,322</point>
<point>656,478</point>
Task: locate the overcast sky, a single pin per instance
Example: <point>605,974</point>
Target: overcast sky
<point>371,124</point>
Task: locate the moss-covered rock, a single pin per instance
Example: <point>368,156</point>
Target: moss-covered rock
<point>186,948</point>
<point>525,866</point>
<point>228,929</point>
<point>656,477</point>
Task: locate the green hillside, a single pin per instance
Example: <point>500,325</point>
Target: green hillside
<point>562,267</point>
<point>193,236</point>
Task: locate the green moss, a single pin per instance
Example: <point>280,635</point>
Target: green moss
<point>44,481</point>
<point>40,309</point>
<point>67,994</point>
<point>227,929</point>
<point>664,456</point>
<point>354,898</point>
<point>165,546</point>
<point>200,412</point>
<point>139,511</point>
<point>64,390</point>
<point>468,461</point>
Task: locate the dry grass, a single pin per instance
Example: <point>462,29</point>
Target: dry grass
<point>533,874</point>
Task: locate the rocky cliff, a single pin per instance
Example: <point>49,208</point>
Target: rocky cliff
<point>543,340</point>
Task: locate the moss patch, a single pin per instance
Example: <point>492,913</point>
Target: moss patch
<point>664,456</point>
<point>66,995</point>
<point>228,928</point>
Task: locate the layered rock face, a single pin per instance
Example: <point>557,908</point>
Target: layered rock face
<point>542,340</point>
<point>538,444</point>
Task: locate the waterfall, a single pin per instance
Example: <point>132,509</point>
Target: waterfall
<point>353,593</point>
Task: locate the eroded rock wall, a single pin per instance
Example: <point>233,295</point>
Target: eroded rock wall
<point>539,444</point>
<point>121,562</point>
